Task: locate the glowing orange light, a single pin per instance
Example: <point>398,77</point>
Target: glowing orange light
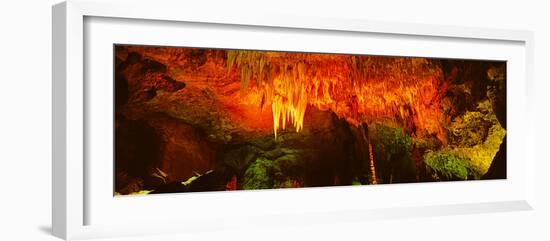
<point>403,91</point>
<point>288,103</point>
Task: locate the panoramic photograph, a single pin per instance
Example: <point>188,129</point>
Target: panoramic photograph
<point>190,119</point>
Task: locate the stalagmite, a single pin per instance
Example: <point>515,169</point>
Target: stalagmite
<point>373,172</point>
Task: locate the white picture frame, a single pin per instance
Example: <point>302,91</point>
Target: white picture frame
<point>77,192</point>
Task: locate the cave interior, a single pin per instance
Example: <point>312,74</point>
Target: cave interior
<point>201,119</point>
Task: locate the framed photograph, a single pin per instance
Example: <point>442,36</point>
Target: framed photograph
<point>169,119</point>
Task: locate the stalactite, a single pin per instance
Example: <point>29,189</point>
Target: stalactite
<point>357,88</point>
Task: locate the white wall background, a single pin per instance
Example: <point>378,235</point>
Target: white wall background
<point>25,119</point>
